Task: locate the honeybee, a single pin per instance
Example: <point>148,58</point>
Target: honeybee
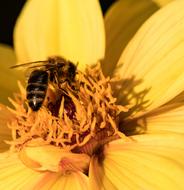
<point>56,70</point>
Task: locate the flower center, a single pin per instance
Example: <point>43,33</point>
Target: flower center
<point>79,117</point>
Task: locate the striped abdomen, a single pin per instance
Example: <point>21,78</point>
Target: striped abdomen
<point>37,88</point>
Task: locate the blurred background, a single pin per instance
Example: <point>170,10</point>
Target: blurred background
<point>10,9</point>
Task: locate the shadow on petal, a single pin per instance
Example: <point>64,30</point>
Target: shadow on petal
<point>122,21</point>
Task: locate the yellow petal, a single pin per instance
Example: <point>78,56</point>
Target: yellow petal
<point>53,159</point>
<point>5,133</point>
<point>76,181</point>
<point>15,175</point>
<point>97,179</point>
<point>122,20</point>
<point>152,69</point>
<point>9,77</point>
<point>73,29</point>
<point>148,162</point>
<point>162,2</point>
<point>166,119</point>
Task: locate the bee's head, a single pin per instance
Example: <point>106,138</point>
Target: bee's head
<point>66,72</point>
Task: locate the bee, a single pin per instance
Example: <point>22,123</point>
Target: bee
<point>56,70</point>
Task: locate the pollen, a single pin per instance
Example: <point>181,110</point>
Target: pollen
<point>78,117</point>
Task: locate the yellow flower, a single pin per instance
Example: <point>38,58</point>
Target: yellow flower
<point>133,141</point>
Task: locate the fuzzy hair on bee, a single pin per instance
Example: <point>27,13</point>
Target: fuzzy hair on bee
<point>55,70</point>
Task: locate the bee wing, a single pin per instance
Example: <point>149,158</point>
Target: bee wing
<point>34,64</point>
<point>31,66</point>
<point>44,67</point>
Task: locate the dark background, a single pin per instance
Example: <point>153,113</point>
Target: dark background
<point>10,9</point>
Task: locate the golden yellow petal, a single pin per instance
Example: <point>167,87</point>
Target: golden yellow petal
<point>73,29</point>
<point>97,179</point>
<point>53,159</point>
<point>9,77</point>
<point>166,119</point>
<point>148,162</point>
<point>122,21</point>
<point>15,175</point>
<point>152,69</point>
<point>76,180</point>
<point>5,117</point>
<point>162,2</point>
<point>177,100</point>
<point>5,133</point>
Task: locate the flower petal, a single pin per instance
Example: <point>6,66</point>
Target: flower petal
<point>71,29</point>
<point>122,20</point>
<point>9,77</point>
<point>5,133</point>
<point>77,181</point>
<point>97,179</point>
<point>152,69</point>
<point>148,162</point>
<point>15,175</point>
<point>53,159</point>
<point>162,2</point>
<point>166,119</point>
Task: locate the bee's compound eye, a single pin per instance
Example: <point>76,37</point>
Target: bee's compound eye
<point>72,71</point>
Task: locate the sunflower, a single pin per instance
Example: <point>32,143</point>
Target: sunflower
<point>115,127</point>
